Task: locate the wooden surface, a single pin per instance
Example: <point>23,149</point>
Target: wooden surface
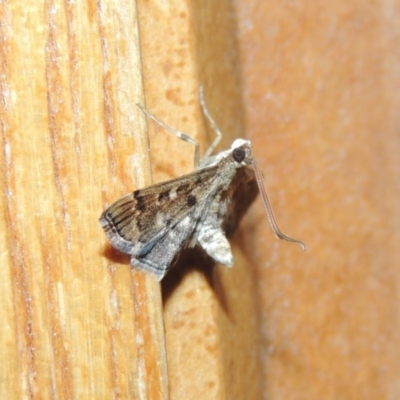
<point>77,322</point>
<point>314,86</point>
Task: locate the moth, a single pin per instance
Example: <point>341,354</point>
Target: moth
<point>154,224</point>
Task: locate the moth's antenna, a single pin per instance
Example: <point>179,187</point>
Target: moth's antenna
<point>270,214</point>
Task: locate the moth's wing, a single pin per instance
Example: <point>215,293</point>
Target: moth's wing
<point>139,223</point>
<point>158,256</point>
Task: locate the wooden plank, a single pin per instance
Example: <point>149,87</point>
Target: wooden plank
<point>77,323</point>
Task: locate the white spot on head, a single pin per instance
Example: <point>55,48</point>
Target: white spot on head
<point>240,142</point>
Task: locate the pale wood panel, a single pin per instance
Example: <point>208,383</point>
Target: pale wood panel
<point>77,323</point>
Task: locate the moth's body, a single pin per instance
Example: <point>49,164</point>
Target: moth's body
<point>155,223</point>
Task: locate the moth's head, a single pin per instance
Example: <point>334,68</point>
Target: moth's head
<point>241,151</point>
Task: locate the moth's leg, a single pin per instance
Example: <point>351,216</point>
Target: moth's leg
<point>178,134</point>
<point>213,124</point>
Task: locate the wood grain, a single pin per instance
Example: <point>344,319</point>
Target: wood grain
<point>77,323</point>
